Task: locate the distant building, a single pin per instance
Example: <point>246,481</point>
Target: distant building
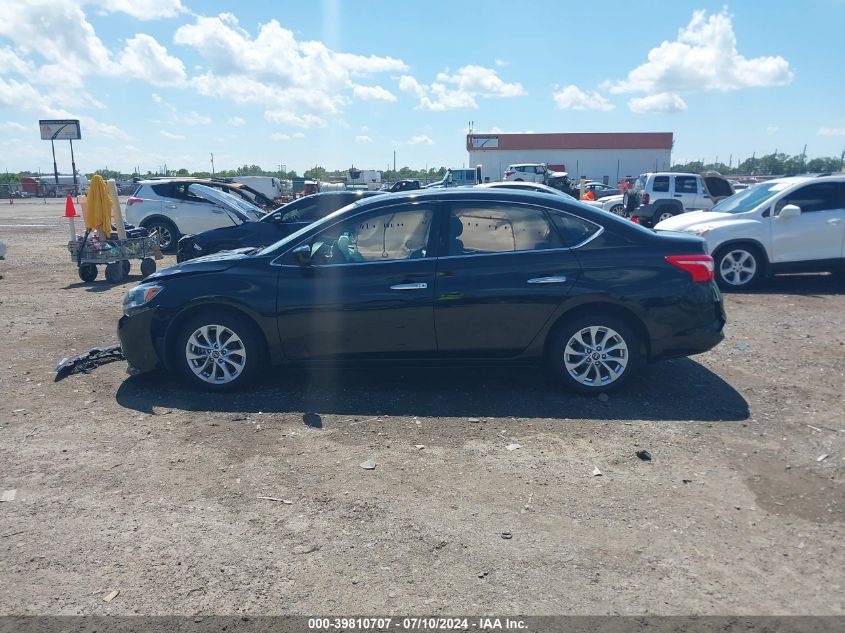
<point>603,156</point>
<point>46,185</point>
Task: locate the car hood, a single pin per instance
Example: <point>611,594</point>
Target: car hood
<point>684,221</point>
<point>213,263</point>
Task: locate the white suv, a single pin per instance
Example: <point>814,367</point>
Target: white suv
<point>784,225</point>
<point>658,196</point>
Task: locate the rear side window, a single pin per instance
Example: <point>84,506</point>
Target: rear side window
<point>498,228</point>
<point>685,184</point>
<point>817,197</point>
<point>573,230</point>
<point>660,184</point>
<point>163,190</point>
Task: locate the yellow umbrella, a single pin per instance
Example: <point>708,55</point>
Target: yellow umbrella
<point>99,206</point>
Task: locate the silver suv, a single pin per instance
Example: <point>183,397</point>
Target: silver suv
<point>661,195</point>
<point>170,209</point>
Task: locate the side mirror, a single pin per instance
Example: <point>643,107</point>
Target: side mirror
<point>303,255</point>
<point>789,211</point>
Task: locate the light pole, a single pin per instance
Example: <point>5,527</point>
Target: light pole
<point>212,164</point>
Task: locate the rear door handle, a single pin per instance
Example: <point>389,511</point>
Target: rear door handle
<point>679,195</point>
<point>558,279</point>
<point>414,286</point>
<point>170,206</point>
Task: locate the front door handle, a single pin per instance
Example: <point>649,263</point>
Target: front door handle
<point>558,279</point>
<point>835,221</point>
<point>414,286</point>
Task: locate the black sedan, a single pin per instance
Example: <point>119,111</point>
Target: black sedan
<point>465,275</point>
<point>271,228</point>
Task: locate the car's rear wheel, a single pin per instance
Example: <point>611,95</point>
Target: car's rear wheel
<point>618,209</point>
<point>168,234</point>
<point>738,267</point>
<point>219,352</point>
<point>593,354</point>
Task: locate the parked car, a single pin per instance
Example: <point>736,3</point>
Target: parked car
<point>270,228</point>
<point>464,274</point>
<point>407,184</point>
<point>779,226</point>
<point>613,204</point>
<point>600,190</point>
<point>660,195</point>
<point>524,186</point>
<point>169,208</point>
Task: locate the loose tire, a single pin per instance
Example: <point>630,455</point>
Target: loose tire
<point>738,267</point>
<point>218,352</point>
<point>88,272</point>
<point>629,201</point>
<point>148,266</point>
<point>593,354</point>
<point>168,234</point>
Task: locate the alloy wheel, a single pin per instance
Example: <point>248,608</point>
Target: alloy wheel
<point>215,354</point>
<point>165,237</point>
<point>738,267</point>
<point>665,216</point>
<point>596,356</point>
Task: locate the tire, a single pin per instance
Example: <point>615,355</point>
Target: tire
<point>148,266</point>
<point>618,209</point>
<point>663,213</point>
<point>114,272</point>
<point>234,364</point>
<point>629,202</point>
<point>518,180</point>
<point>738,267</point>
<point>88,272</point>
<point>168,234</point>
<point>573,353</point>
<point>127,266</point>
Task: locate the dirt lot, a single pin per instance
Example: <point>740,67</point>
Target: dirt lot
<point>142,486</point>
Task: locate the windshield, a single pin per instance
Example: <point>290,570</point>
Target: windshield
<point>233,205</point>
<point>267,250</point>
<point>749,199</point>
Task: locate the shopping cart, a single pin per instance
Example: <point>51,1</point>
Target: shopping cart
<point>88,252</point>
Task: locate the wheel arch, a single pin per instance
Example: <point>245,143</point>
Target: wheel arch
<point>606,308</point>
<point>178,321</point>
<point>666,202</point>
<point>745,241</point>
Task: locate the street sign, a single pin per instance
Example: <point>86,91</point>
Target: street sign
<point>60,130</point>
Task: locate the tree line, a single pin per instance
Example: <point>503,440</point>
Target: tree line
<point>774,164</point>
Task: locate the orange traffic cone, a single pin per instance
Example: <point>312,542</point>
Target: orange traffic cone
<point>70,210</point>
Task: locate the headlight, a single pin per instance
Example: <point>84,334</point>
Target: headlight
<point>140,295</point>
<point>701,230</point>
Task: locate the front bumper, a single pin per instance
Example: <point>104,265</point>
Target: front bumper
<point>135,332</point>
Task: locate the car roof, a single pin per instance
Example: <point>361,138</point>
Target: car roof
<point>200,181</point>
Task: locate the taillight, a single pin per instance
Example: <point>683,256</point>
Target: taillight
<point>509,172</point>
<point>701,267</point>
<point>635,220</point>
<point>133,200</point>
<point>646,198</point>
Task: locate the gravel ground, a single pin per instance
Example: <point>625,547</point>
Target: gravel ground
<point>143,486</point>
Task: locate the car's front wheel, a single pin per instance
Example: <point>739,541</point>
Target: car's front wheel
<point>618,209</point>
<point>219,352</point>
<point>593,354</point>
<point>738,267</point>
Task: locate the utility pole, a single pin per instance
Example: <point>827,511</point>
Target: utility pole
<point>212,164</point>
<point>394,162</point>
<point>73,169</point>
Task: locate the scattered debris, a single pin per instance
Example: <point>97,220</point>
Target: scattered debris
<point>513,447</point>
<point>305,549</point>
<point>596,472</point>
<point>686,481</point>
<point>9,495</point>
<point>112,595</point>
<point>474,420</point>
<point>88,361</point>
<point>419,447</point>
<point>821,458</point>
<point>603,397</point>
<point>482,574</point>
<point>815,428</point>
<point>644,455</point>
<point>742,346</point>
<point>370,464</point>
<point>507,535</point>
<point>287,502</point>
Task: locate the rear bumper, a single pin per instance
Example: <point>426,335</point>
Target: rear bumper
<point>701,328</point>
<point>135,334</point>
<point>644,213</point>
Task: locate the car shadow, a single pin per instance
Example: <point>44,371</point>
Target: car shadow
<point>101,284</point>
<point>676,390</point>
<point>803,284</point>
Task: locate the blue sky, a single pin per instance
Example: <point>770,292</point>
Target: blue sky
<point>338,83</point>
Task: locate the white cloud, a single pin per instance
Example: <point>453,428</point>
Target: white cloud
<point>501,63</point>
<point>373,93</point>
<point>236,121</point>
<point>363,138</point>
<point>144,58</point>
<point>460,89</point>
<point>772,129</point>
<point>172,136</point>
<point>195,118</point>
<point>704,57</point>
<point>662,102</point>
<point>420,139</point>
<point>14,125</point>
<point>573,98</point>
<point>300,82</point>
<point>831,131</point>
<point>143,9</point>
<point>278,136</point>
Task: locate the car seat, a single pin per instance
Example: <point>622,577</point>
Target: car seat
<point>456,228</point>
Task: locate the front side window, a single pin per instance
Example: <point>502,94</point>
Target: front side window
<point>388,236</point>
<point>817,197</point>
<point>686,184</point>
<point>660,184</point>
<point>498,228</point>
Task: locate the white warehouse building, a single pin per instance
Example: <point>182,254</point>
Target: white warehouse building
<point>602,156</point>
